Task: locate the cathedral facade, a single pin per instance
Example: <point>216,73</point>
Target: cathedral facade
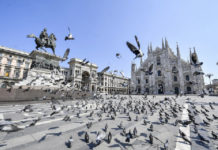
<point>171,74</point>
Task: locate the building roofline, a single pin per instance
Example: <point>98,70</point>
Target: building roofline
<point>79,60</point>
<point>11,50</point>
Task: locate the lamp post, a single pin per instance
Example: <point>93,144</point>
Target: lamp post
<point>209,75</point>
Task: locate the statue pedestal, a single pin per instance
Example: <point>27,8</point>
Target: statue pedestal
<point>45,60</point>
<point>44,70</point>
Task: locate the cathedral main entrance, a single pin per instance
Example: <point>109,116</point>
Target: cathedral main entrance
<point>176,90</point>
<point>160,89</point>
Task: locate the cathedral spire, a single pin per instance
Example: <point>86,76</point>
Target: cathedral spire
<point>151,47</point>
<point>148,50</point>
<point>190,54</point>
<point>178,51</point>
<point>163,44</point>
<point>166,43</point>
<point>195,52</point>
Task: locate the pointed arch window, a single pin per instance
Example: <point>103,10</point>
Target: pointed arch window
<point>174,70</point>
<point>159,73</point>
<point>187,78</point>
<point>175,78</point>
<point>158,60</point>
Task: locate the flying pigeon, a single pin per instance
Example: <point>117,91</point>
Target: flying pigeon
<point>194,60</point>
<point>118,55</point>
<point>137,51</point>
<point>149,71</point>
<point>198,73</point>
<point>84,62</point>
<point>70,36</point>
<point>122,74</point>
<point>105,69</point>
<point>65,57</point>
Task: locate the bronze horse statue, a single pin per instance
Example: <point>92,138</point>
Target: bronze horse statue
<point>47,43</point>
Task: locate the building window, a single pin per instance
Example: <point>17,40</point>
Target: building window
<point>7,72</point>
<point>16,73</point>
<point>174,70</point>
<point>1,57</point>
<point>25,73</point>
<point>9,61</point>
<point>159,73</point>
<point>187,77</point>
<point>146,80</point>
<point>27,64</point>
<point>19,63</point>
<point>175,78</point>
<point>158,61</point>
<point>138,81</point>
<point>189,90</point>
<point>77,72</point>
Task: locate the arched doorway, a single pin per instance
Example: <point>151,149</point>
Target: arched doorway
<point>93,88</point>
<point>189,90</point>
<point>176,90</point>
<point>139,90</point>
<point>85,81</point>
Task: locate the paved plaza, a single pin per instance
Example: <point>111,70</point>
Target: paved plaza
<point>118,112</point>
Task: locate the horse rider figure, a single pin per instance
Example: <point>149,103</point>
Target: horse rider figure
<point>44,36</point>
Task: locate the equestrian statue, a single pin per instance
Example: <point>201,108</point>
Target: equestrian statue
<point>44,41</point>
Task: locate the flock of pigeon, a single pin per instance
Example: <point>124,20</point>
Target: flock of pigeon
<point>128,119</point>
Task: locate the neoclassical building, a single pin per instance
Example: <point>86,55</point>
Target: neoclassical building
<point>14,65</point>
<point>111,83</point>
<point>83,76</point>
<point>20,68</point>
<point>171,74</point>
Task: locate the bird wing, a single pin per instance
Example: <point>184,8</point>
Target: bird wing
<point>150,68</point>
<point>194,58</point>
<point>137,41</point>
<point>105,69</point>
<point>84,59</point>
<point>69,29</point>
<point>132,48</point>
<point>66,53</point>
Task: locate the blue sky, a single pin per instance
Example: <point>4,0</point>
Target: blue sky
<point>102,27</point>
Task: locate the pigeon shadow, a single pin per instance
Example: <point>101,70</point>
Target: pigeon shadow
<point>116,129</point>
<point>114,145</point>
<point>81,133</point>
<point>122,143</point>
<point>92,145</point>
<point>94,132</point>
<point>122,117</point>
<point>42,139</point>
<point>143,134</point>
<point>202,144</point>
<point>1,145</point>
<point>157,123</point>
<point>202,129</point>
<point>53,128</point>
